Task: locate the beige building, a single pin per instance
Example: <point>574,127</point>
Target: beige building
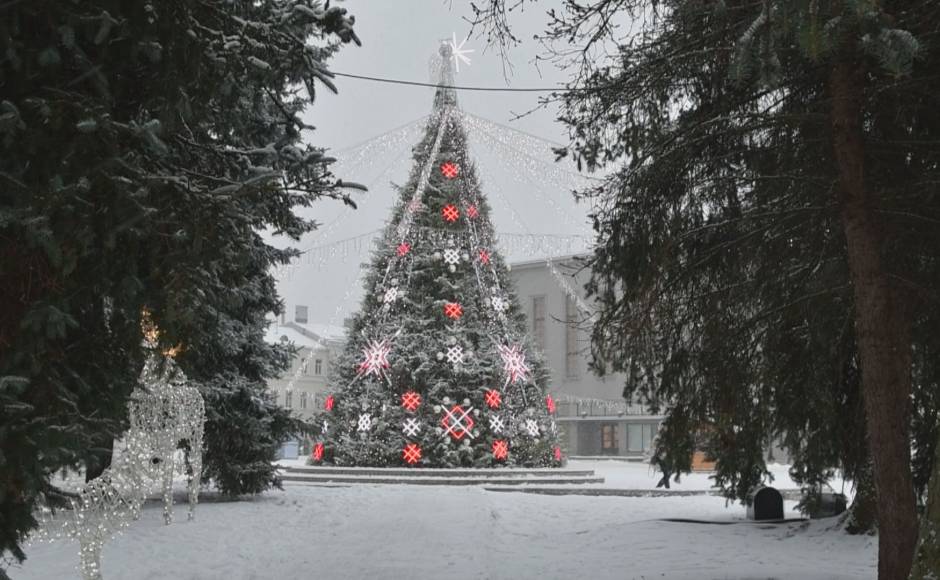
<point>302,388</point>
<point>593,417</point>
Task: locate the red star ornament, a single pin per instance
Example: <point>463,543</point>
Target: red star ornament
<point>500,449</point>
<point>449,169</point>
<point>492,398</point>
<point>410,400</point>
<point>450,213</point>
<point>411,453</point>
<point>453,310</point>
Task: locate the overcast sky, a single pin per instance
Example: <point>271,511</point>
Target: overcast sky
<point>529,195</point>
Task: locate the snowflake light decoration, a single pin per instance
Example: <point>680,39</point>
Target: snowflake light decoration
<point>403,248</point>
<point>451,256</point>
<point>411,427</point>
<point>558,454</point>
<point>499,304</point>
<point>496,424</point>
<point>391,295</point>
<point>472,211</point>
<point>457,422</point>
<point>410,400</point>
<point>550,404</point>
<point>455,354</point>
<point>500,449</point>
<point>365,422</point>
<point>453,310</point>
<point>318,452</point>
<point>375,358</point>
<point>532,427</point>
<point>329,402</point>
<point>459,53</point>
<point>415,205</point>
<point>450,213</point>
<point>484,256</point>
<point>326,427</point>
<point>492,398</point>
<point>513,363</point>
<point>411,453</point>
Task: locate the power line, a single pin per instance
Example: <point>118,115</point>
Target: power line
<point>460,87</point>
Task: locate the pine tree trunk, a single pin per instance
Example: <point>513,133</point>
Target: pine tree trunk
<point>863,513</point>
<point>927,560</point>
<point>883,330</point>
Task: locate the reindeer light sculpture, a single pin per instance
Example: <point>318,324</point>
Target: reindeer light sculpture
<point>164,411</point>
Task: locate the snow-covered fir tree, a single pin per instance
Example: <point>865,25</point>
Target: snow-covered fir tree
<point>438,370</point>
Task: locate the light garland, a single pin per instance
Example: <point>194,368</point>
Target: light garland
<point>163,411</point>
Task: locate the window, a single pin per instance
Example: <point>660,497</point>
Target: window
<point>572,352</point>
<point>318,367</point>
<point>640,436</point>
<point>288,399</point>
<point>300,314</point>
<point>538,320</point>
<point>303,400</point>
<point>303,367</point>
<point>609,438</point>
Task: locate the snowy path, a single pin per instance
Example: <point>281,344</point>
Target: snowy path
<point>441,533</point>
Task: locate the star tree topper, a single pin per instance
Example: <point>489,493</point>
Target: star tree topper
<point>459,53</point>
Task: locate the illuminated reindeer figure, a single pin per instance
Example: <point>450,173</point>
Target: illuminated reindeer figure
<point>164,411</point>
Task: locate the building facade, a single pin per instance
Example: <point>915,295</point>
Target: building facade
<point>302,388</point>
<point>592,415</point>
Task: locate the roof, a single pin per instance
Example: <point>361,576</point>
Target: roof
<point>541,261</point>
<point>304,335</point>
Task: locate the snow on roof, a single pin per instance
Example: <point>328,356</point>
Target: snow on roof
<point>304,335</point>
<point>325,331</point>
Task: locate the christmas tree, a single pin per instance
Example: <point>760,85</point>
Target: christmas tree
<point>437,370</point>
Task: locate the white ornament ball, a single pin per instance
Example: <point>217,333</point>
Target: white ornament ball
<point>440,356</point>
<point>446,400</point>
<point>437,409</point>
<point>394,281</point>
<point>465,256</point>
<point>452,340</point>
<point>436,255</point>
<point>466,402</point>
<point>468,354</point>
<point>452,268</point>
<point>466,443</point>
<point>476,412</point>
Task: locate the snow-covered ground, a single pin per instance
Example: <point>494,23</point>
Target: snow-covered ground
<point>451,533</point>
